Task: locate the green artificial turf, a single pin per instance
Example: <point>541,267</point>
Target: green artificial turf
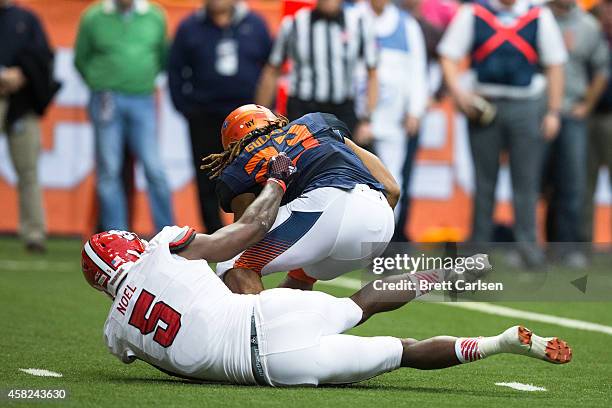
<point>53,320</point>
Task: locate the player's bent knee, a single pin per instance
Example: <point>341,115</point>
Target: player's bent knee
<point>408,341</point>
<point>244,281</point>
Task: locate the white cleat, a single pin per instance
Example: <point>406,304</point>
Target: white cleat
<point>520,340</point>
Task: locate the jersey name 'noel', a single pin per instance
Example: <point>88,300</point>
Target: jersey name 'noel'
<point>177,315</point>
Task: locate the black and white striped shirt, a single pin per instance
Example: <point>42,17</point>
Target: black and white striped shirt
<point>324,52</point>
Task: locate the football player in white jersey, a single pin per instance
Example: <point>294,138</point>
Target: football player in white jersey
<point>172,311</point>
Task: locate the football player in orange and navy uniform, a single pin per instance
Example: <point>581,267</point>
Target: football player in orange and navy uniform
<point>337,212</point>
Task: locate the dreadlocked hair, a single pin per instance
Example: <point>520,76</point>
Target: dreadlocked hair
<point>215,163</point>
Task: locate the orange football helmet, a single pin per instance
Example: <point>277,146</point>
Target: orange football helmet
<point>243,120</point>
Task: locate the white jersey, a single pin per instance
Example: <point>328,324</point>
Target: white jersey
<point>178,315</point>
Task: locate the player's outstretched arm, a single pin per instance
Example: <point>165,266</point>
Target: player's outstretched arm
<point>232,239</point>
<point>378,170</point>
<point>381,294</point>
<point>254,223</point>
<point>240,203</point>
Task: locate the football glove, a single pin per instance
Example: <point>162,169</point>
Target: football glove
<point>281,168</point>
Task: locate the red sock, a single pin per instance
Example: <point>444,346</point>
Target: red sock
<point>467,349</point>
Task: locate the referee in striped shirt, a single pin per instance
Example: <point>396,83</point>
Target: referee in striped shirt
<point>324,46</point>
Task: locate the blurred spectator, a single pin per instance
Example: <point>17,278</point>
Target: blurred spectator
<point>507,41</point>
<point>588,54</point>
<point>431,32</point>
<point>439,13</point>
<point>26,89</point>
<point>600,131</point>
<point>120,48</point>
<point>432,35</point>
<point>324,45</point>
<point>402,80</point>
<point>215,64</point>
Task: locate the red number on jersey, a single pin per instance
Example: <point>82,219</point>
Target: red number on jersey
<point>160,312</point>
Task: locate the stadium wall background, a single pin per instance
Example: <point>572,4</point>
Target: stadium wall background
<point>441,187</point>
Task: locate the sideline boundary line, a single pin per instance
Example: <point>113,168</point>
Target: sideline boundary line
<point>489,308</point>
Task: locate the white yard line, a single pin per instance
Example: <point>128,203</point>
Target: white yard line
<point>20,265</point>
<point>521,387</point>
<point>484,307</point>
<point>40,372</point>
<point>536,317</point>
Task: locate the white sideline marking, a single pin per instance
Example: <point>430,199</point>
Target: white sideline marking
<point>19,265</point>
<point>536,317</point>
<point>40,372</point>
<point>484,307</point>
<point>521,387</point>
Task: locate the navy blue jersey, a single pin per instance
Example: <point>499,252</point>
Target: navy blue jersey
<point>315,144</point>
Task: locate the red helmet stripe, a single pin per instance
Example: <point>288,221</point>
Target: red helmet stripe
<point>107,258</point>
<point>91,253</point>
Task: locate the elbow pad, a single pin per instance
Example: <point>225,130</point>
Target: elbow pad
<point>182,240</point>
